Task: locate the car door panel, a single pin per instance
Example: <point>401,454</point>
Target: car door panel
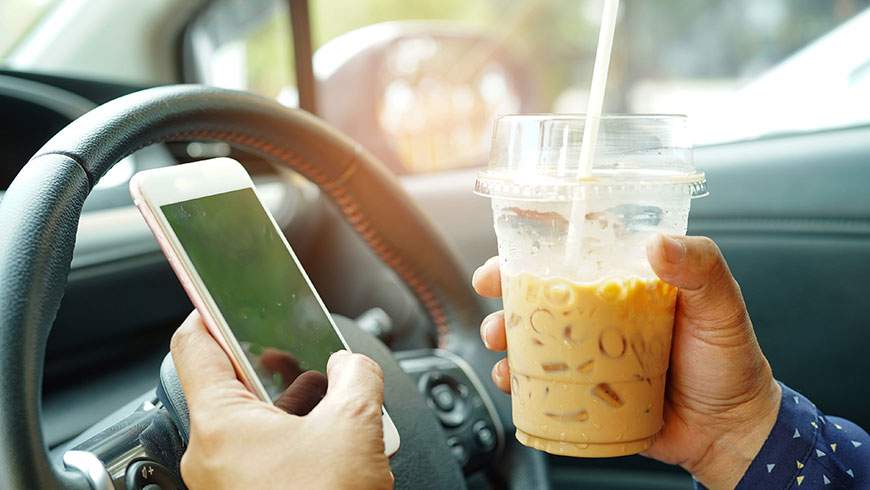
<point>792,216</point>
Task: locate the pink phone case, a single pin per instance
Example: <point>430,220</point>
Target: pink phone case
<point>187,283</point>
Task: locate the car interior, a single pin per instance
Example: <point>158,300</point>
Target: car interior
<point>344,127</point>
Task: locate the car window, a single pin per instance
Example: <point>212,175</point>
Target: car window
<point>419,83</point>
<point>243,45</point>
<point>16,18</point>
<point>429,77</point>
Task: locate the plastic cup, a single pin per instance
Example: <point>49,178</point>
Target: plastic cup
<point>588,323</point>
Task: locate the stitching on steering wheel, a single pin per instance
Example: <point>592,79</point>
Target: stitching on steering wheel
<point>345,201</point>
<point>349,207</point>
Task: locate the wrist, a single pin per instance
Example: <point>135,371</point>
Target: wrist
<point>740,438</point>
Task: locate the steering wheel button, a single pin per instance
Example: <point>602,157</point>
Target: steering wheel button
<point>145,474</point>
<point>443,397</point>
<point>458,450</point>
<point>484,436</point>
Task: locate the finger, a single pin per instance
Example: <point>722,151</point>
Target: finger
<point>492,332</point>
<point>709,295</point>
<point>501,375</point>
<point>304,394</point>
<point>203,367</point>
<point>355,383</point>
<point>282,363</point>
<point>486,280</point>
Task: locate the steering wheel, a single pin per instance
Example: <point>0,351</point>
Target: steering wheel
<point>39,216</point>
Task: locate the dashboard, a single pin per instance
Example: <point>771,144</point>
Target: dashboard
<point>22,134</point>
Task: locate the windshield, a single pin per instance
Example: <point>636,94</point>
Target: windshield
<point>740,69</point>
<point>16,19</point>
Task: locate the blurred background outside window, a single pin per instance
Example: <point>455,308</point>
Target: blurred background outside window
<point>440,72</point>
<point>243,45</point>
<point>17,17</point>
<point>419,83</point>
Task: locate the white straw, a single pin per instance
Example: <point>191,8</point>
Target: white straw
<point>599,83</point>
<point>590,128</point>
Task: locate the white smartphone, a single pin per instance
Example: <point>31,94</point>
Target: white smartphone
<point>241,274</point>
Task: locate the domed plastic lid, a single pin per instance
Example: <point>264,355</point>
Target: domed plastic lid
<point>537,156</point>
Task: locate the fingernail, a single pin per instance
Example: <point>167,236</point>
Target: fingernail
<point>484,329</point>
<point>673,248</point>
<point>474,275</point>
<point>503,368</point>
<point>496,375</point>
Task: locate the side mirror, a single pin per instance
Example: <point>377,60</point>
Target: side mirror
<point>421,96</point>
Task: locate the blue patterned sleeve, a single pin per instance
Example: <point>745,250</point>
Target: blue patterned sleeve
<point>807,449</point>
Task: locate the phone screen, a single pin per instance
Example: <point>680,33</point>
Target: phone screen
<point>255,282</point>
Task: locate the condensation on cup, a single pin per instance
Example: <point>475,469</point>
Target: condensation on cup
<point>588,323</point>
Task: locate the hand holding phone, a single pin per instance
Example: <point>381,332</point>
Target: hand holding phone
<point>242,276</point>
<point>236,441</point>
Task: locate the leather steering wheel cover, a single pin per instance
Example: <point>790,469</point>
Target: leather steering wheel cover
<point>39,215</point>
<point>364,191</point>
<point>40,211</point>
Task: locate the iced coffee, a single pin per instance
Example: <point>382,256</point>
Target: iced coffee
<point>588,323</point>
<point>588,359</point>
